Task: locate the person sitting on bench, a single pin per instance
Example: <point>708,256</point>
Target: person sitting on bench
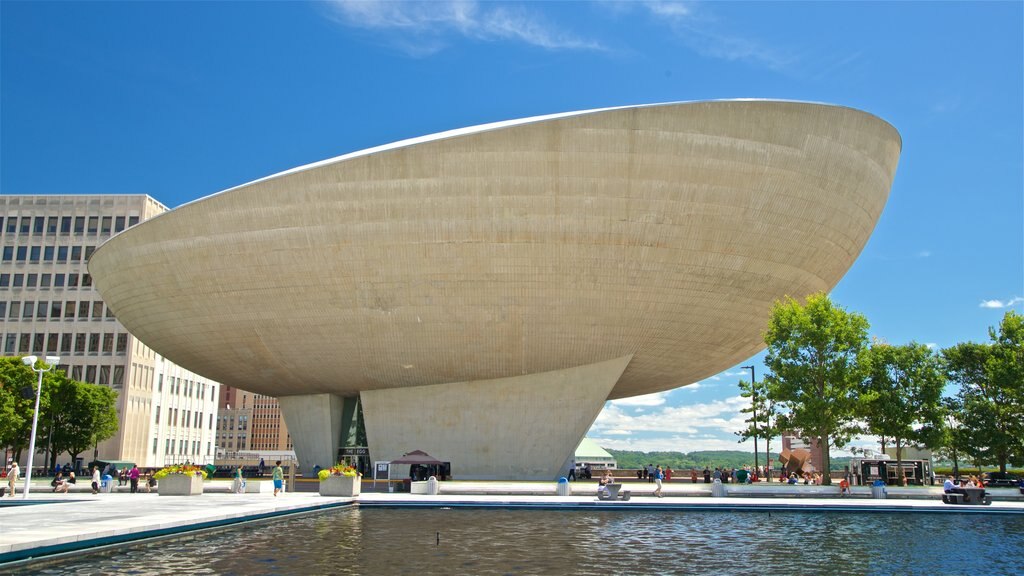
<point>604,481</point>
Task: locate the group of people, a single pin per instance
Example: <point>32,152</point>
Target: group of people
<point>950,486</point>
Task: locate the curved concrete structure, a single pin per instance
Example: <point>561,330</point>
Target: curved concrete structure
<point>660,234</point>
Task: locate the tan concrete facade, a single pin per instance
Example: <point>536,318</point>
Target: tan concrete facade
<point>662,232</point>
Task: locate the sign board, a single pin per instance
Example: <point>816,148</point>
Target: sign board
<point>382,470</point>
<point>355,451</point>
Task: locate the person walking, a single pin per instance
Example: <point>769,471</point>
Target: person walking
<point>238,486</point>
<point>95,479</point>
<point>659,475</point>
<point>278,476</point>
<point>12,477</point>
<point>133,477</point>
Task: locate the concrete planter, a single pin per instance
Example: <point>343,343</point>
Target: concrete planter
<point>180,485</point>
<point>340,486</point>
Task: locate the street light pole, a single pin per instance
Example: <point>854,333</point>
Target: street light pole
<point>30,361</point>
<point>753,405</point>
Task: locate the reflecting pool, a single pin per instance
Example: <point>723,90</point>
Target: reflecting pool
<point>466,541</point>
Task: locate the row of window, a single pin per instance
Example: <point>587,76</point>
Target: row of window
<point>67,224</point>
<point>182,446</point>
<point>182,386</point>
<point>104,375</point>
<point>54,310</point>
<point>70,281</point>
<point>81,343</point>
<point>58,254</point>
<point>228,423</point>
<point>189,419</point>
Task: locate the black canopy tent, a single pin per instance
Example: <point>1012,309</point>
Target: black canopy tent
<point>417,460</point>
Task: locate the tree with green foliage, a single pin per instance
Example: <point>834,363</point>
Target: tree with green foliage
<point>900,396</point>
<point>812,354</point>
<point>761,404</point>
<point>82,414</point>
<point>18,385</point>
<point>952,441</point>
<point>73,415</point>
<point>991,379</point>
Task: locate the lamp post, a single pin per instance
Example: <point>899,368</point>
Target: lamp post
<point>50,363</point>
<point>753,406</point>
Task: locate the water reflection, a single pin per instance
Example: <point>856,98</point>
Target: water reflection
<point>384,541</point>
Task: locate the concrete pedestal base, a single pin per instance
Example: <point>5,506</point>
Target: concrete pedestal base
<point>180,485</point>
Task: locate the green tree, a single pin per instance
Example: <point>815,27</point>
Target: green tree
<point>991,379</point>
<point>812,355</point>
<point>900,397</point>
<point>82,414</point>
<point>953,443</point>
<point>17,403</point>
<point>761,405</point>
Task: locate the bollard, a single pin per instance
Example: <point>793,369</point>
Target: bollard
<point>718,489</point>
<point>562,488</point>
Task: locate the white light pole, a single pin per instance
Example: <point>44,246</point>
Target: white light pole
<point>30,361</point>
<point>753,405</point>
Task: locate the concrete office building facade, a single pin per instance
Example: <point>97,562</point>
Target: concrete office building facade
<point>49,306</point>
<point>480,293</point>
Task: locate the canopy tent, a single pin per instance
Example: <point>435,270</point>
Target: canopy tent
<point>418,457</point>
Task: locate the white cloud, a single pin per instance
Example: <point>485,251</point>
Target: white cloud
<point>718,417</point>
<point>1001,303</point>
<point>656,399</point>
<point>695,28</point>
<point>677,443</point>
<point>924,254</point>
<point>931,345</point>
<point>422,28</point>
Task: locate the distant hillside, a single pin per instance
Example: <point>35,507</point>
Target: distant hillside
<point>700,459</point>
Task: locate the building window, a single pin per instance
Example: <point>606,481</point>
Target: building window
<point>94,224</point>
<point>132,221</point>
<point>5,280</point>
<point>97,310</point>
<point>79,224</point>
<point>122,343</point>
<point>51,224</point>
<point>80,344</point>
<point>30,280</point>
<point>108,343</point>
<point>118,376</point>
<point>88,252</point>
<point>157,414</point>
<point>105,224</point>
<point>37,343</point>
<point>118,224</point>
<point>73,280</point>
<point>86,280</point>
<point>154,445</point>
<point>52,341</point>
<point>10,344</point>
<point>8,253</point>
<point>55,309</point>
<point>104,375</point>
<point>94,344</point>
<point>69,310</point>
<point>65,225</point>
<point>48,254</point>
<point>76,253</point>
<point>21,253</point>
<point>44,280</point>
<point>65,343</point>
<point>90,374</point>
<point>58,280</point>
<point>83,310</point>
<point>26,224</point>
<point>62,254</point>
<point>39,225</point>
<point>34,253</point>
<point>159,382</point>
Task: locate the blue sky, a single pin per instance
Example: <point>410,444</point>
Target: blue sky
<point>183,99</point>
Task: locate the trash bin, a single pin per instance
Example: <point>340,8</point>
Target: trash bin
<point>718,489</point>
<point>432,486</point>
<point>562,488</point>
<point>878,491</point>
<point>107,483</point>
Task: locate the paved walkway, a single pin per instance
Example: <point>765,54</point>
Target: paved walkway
<point>48,524</point>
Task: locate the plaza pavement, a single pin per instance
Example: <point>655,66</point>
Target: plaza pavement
<point>51,524</point>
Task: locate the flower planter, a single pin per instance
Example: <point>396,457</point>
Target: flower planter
<point>180,485</point>
<point>340,486</point>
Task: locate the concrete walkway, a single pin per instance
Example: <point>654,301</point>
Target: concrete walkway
<point>49,524</point>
